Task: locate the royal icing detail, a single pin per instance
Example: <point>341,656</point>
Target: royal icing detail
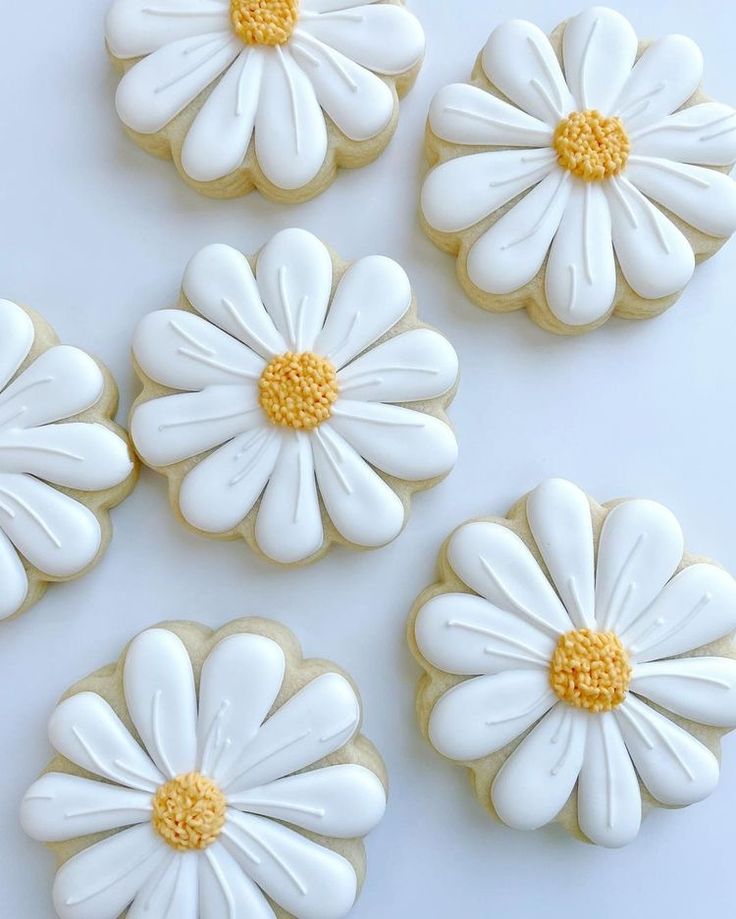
<point>209,810</point>
<point>575,656</point>
<point>277,70</point>
<point>42,447</point>
<point>286,382</point>
<point>592,152</point>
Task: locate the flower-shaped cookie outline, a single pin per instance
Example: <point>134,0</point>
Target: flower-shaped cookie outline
<point>369,313</point>
<point>649,582</point>
<point>31,358</point>
<point>283,684</point>
<point>230,95</point>
<point>473,238</point>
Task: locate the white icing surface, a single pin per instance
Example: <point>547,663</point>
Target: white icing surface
<point>216,359</point>
<point>577,227</point>
<point>251,755</point>
<point>277,96</point>
<point>505,638</point>
<point>39,444</point>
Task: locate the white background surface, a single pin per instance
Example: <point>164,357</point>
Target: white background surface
<point>95,233</point>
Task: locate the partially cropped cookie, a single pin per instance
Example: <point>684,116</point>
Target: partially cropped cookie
<point>294,400</point>
<point>209,775</point>
<point>267,94</point>
<point>63,462</point>
<point>579,662</point>
<point>580,176</point>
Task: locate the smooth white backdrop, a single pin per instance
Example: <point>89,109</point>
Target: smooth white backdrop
<point>95,233</point>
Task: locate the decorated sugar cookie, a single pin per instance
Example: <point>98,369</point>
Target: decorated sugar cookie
<point>294,400</point>
<point>208,775</point>
<point>581,175</point>
<point>267,94</point>
<point>63,462</point>
<point>579,662</point>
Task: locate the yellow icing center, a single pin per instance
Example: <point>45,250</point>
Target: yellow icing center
<point>591,146</point>
<point>264,22</point>
<point>189,812</point>
<point>298,390</point>
<point>590,670</point>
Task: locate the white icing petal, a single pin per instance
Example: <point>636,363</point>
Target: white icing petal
<point>101,881</point>
<point>609,798</point>
<point>496,563</point>
<point>465,634</point>
<point>599,50</point>
<point>371,297</point>
<point>308,880</point>
<point>559,518</point>
<point>410,445</point>
<point>240,680</point>
<point>294,273</point>
<point>640,548</point>
<point>482,715</point>
<point>59,384</point>
<point>16,335</point>
<point>344,801</point>
<point>461,192</point>
<point>12,577</point>
<point>702,689</point>
<point>662,80</point>
<point>161,699</point>
<point>519,60</point>
<point>289,522</point>
<point>172,891</point>
<point>580,278</point>
<point>291,135</point>
<point>655,257</point>
<point>696,607</point>
<point>57,534</point>
<point>86,730</point>
<point>363,508</point>
<point>360,103</point>
<point>703,134</point>
<point>156,89</point>
<point>382,37</point>
<point>534,783</point>
<point>184,351</point>
<point>219,283</point>
<point>59,807</point>
<point>412,366</point>
<point>511,253</point>
<point>172,428</point>
<point>89,457</point>
<point>675,767</point>
<point>226,890</point>
<point>137,27</point>
<point>328,6</point>
<point>217,141</point>
<point>221,489</point>
<point>319,719</point>
<point>704,198</point>
<point>465,114</point>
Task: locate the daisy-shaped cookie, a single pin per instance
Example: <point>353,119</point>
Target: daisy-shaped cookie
<point>580,175</point>
<point>290,371</point>
<point>63,463</point>
<point>235,787</point>
<point>578,662</point>
<point>272,94</point>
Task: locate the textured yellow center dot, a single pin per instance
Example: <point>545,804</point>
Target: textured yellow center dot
<point>298,390</point>
<point>591,146</point>
<point>264,22</point>
<point>590,670</point>
<point>189,812</point>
